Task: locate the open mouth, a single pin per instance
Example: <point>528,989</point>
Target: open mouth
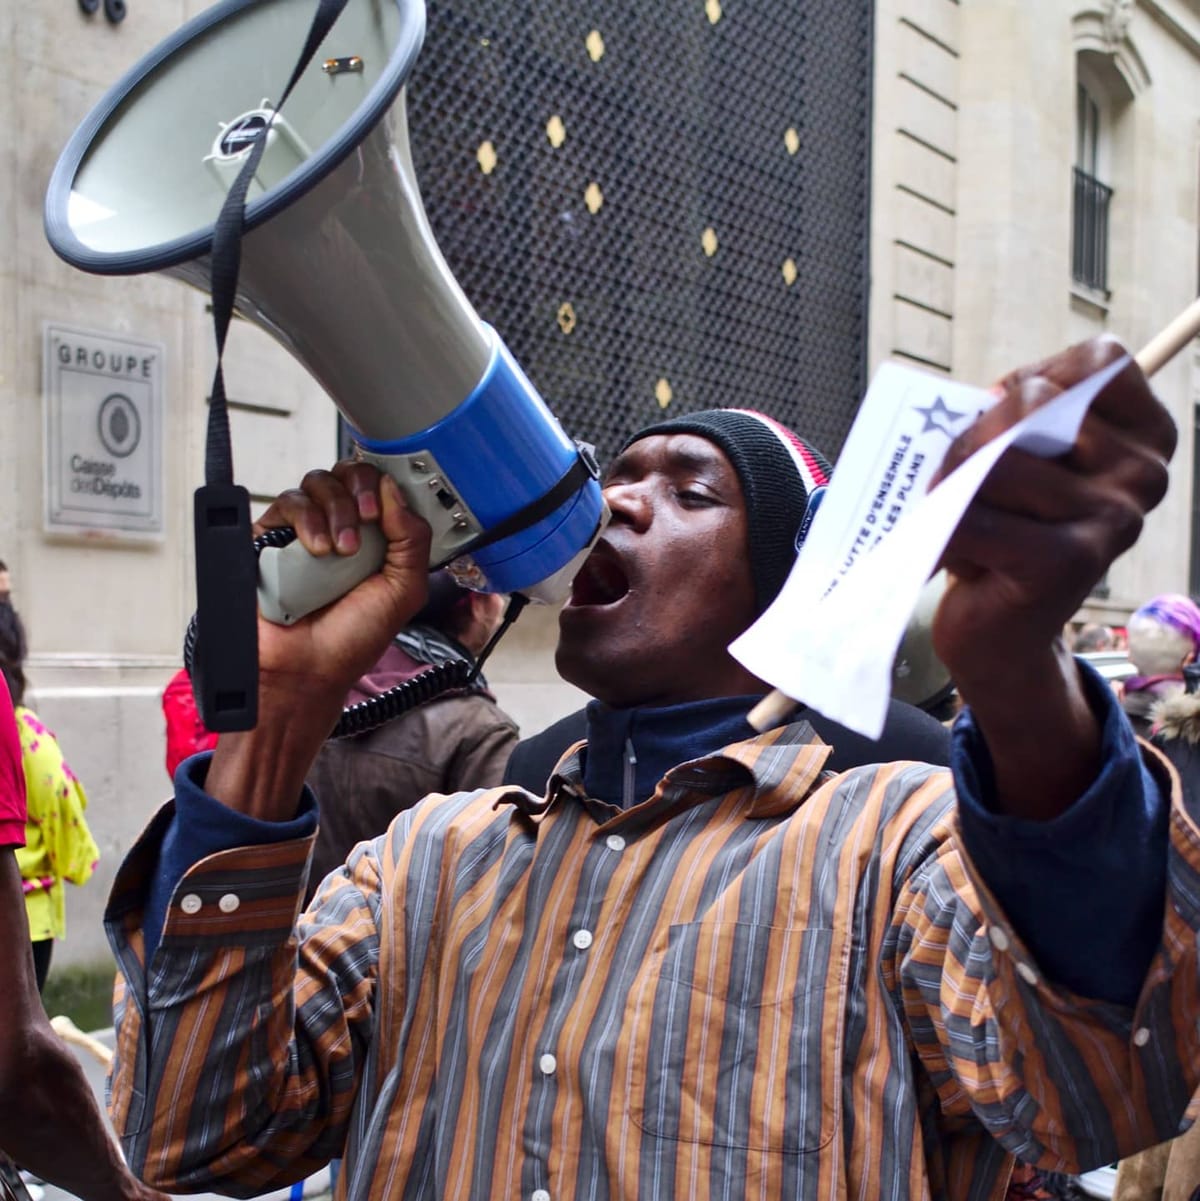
<point>600,581</point>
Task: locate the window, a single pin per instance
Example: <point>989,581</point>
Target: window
<point>1087,131</point>
<point>1089,238</point>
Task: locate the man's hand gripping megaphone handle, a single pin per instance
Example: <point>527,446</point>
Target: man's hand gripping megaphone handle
<point>292,583</point>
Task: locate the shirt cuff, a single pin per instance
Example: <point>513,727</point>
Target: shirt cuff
<point>203,826</point>
<point>1085,891</point>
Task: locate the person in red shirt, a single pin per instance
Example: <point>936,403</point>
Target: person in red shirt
<point>186,734</point>
<point>46,1103</point>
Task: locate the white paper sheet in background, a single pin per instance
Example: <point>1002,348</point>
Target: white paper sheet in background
<point>831,635</point>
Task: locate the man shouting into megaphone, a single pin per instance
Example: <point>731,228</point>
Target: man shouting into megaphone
<point>700,964</point>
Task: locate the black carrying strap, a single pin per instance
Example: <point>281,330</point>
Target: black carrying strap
<point>225,679</point>
<point>227,253</point>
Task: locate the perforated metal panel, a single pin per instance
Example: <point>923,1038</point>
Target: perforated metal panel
<point>661,204</point>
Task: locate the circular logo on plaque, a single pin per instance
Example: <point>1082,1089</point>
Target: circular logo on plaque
<point>120,425</point>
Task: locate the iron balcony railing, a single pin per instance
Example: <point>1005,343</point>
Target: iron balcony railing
<point>1089,264</point>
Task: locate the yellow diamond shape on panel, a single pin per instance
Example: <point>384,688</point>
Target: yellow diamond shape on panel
<point>566,317</point>
<point>595,46</point>
<point>713,8</point>
<point>708,239</point>
<point>663,393</point>
<point>556,131</point>
<point>487,158</point>
<point>789,272</point>
<point>593,197</point>
<point>791,139</point>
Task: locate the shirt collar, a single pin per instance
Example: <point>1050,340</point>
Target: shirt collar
<point>781,768</point>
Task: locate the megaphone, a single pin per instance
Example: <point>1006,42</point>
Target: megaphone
<point>339,264</point>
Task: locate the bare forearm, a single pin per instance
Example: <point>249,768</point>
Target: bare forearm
<point>257,777</point>
<point>1043,738</point>
<point>305,670</point>
<point>46,1108</point>
<point>261,773</point>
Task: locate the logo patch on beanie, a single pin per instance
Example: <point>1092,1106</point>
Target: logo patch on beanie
<point>814,503</point>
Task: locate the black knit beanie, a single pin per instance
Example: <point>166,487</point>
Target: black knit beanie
<point>779,473</point>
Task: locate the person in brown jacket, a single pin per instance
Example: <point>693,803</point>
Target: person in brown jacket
<point>458,741</point>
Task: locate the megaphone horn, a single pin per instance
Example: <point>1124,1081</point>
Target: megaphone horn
<point>339,264</point>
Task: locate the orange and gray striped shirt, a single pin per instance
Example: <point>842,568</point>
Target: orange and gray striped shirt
<point>762,982</point>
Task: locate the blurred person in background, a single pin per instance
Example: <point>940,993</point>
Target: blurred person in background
<point>186,732</point>
<point>1164,635</point>
<point>58,844</point>
<point>458,741</point>
<point>49,1119</point>
<point>1093,637</point>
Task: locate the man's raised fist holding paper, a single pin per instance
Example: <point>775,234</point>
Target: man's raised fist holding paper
<point>701,963</point>
<point>1037,538</point>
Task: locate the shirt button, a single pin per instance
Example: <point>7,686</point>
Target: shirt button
<point>539,1194</point>
<point>1027,973</point>
<point>191,903</point>
<point>999,938</point>
<point>229,903</point>
<point>548,1064</point>
<point>615,842</point>
<point>582,939</point>
<point>1141,1037</point>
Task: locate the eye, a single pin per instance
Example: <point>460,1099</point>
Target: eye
<point>692,498</point>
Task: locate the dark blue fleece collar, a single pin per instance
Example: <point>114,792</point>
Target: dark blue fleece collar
<point>629,750</point>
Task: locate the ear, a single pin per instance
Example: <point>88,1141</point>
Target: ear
<point>488,606</point>
<point>487,612</point>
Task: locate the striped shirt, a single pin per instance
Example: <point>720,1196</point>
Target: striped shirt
<point>762,982</point>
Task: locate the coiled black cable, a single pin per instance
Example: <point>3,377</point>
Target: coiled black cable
<point>400,699</point>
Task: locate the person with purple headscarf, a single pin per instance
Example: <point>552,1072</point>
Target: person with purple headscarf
<point>1164,637</point>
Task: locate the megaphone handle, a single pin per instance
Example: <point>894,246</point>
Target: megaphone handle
<point>292,583</point>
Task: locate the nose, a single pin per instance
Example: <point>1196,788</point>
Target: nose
<point>630,503</point>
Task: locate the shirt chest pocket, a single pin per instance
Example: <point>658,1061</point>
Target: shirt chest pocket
<point>736,1039</point>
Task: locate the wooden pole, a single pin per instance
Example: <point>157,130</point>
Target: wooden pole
<point>70,1033</point>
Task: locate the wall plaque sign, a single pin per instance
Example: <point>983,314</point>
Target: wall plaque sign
<point>104,436</point>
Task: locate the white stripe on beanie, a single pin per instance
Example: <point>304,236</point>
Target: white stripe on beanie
<point>812,474</point>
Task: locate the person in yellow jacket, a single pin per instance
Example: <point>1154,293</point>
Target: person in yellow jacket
<point>58,844</point>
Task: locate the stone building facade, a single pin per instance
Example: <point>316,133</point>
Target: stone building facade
<point>1035,183</point>
<point>1005,134</point>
